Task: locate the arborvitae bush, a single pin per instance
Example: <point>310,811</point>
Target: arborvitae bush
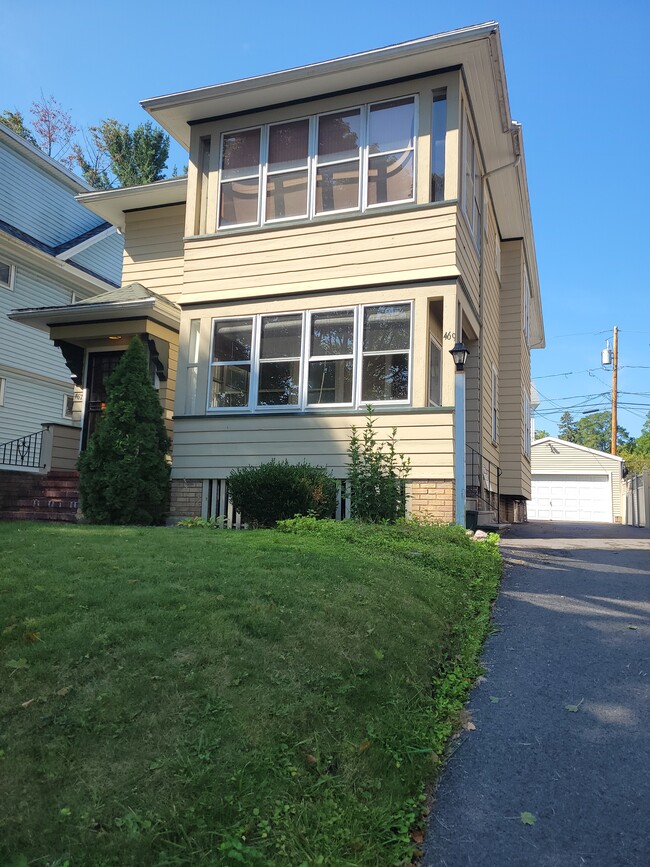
<point>279,490</point>
<point>377,475</point>
<point>124,471</point>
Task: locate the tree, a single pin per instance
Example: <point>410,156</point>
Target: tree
<point>16,123</point>
<point>567,428</point>
<point>540,434</point>
<point>54,130</point>
<point>124,472</point>
<point>115,155</point>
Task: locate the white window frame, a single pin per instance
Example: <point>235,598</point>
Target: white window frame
<point>495,405</point>
<point>437,345</point>
<point>497,254</point>
<point>65,412</point>
<point>309,358</point>
<point>3,385</point>
<point>12,277</point>
<point>257,336</point>
<point>193,365</point>
<point>471,193</point>
<point>303,406</point>
<point>313,165</point>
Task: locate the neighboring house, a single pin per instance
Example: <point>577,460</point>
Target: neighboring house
<point>52,251</point>
<point>342,226</point>
<point>574,483</point>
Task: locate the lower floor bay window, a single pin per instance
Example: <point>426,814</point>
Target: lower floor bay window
<point>345,357</point>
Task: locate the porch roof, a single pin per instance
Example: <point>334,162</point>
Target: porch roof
<point>133,301</point>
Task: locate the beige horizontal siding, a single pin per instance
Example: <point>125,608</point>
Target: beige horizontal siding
<point>514,366</point>
<point>563,458</point>
<point>153,251</point>
<point>213,446</point>
<point>467,258</point>
<point>412,244</point>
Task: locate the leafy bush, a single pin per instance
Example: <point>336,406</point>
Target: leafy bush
<point>124,472</point>
<point>279,490</point>
<point>197,523</point>
<point>377,473</point>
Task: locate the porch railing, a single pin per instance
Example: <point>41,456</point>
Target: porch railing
<point>23,451</point>
<point>483,483</point>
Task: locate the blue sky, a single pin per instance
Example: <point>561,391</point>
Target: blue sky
<point>578,78</point>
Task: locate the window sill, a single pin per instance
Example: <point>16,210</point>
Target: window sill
<point>322,219</point>
<point>315,413</point>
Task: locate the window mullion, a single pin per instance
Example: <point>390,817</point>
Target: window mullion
<point>255,363</point>
<point>312,166</point>
<point>263,173</point>
<point>358,349</point>
<point>363,158</point>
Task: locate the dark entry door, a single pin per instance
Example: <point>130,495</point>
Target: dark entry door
<point>100,367</point>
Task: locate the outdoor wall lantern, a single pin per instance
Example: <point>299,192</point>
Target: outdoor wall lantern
<point>459,353</point>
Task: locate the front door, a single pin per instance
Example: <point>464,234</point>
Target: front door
<point>100,367</point>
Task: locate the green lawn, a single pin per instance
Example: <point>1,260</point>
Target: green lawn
<point>214,697</point>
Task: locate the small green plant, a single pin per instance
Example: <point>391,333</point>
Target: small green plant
<point>278,490</point>
<point>377,473</point>
<point>198,523</point>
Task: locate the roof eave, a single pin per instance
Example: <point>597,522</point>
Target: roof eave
<point>310,80</point>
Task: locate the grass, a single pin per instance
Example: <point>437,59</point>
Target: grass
<point>183,697</point>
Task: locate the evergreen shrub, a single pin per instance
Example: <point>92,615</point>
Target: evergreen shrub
<point>124,471</point>
<point>278,490</point>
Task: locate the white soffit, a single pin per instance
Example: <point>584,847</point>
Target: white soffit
<point>473,47</point>
<point>111,205</point>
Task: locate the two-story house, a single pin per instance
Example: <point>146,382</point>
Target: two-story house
<point>342,226</point>
<point>53,251</point>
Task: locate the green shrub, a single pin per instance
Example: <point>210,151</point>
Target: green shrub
<point>377,473</point>
<point>279,490</point>
<point>124,472</point>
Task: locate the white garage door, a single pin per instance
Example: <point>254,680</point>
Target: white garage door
<point>571,498</point>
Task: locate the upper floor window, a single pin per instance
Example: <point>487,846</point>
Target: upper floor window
<point>438,135</point>
<point>324,358</point>
<point>471,181</point>
<point>7,274</point>
<point>349,160</point>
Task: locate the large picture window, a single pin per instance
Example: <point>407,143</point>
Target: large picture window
<point>349,160</point>
<point>345,357</point>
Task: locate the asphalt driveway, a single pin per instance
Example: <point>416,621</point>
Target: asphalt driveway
<point>563,715</point>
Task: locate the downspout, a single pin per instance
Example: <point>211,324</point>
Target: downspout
<point>514,132</point>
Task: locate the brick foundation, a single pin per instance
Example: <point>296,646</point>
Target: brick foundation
<point>185,499</point>
<point>434,500</point>
<point>513,510</point>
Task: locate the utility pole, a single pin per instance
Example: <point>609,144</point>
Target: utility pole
<point>614,391</point>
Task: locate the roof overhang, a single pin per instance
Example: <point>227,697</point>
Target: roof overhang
<point>176,112</point>
<point>45,318</point>
<point>112,205</point>
<point>75,277</point>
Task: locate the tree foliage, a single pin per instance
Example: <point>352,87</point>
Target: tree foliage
<point>540,434</point>
<point>124,472</point>
<point>593,431</point>
<point>54,130</point>
<point>108,155</point>
<point>118,156</point>
<point>16,123</point>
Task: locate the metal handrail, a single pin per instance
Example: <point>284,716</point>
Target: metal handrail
<point>23,451</point>
<point>475,465</point>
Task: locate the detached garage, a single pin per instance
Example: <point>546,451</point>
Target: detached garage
<point>574,483</point>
